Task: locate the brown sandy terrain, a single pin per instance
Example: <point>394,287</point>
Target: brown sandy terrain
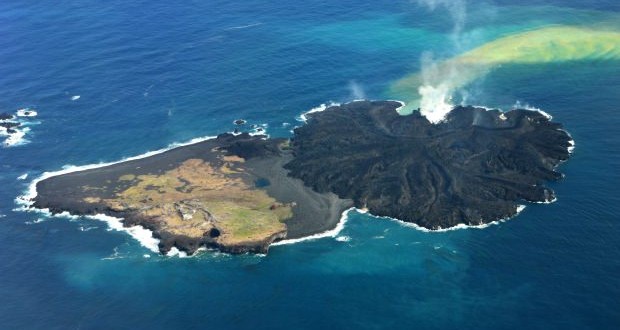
<point>230,193</point>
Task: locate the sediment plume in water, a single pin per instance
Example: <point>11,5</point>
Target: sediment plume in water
<point>431,89</point>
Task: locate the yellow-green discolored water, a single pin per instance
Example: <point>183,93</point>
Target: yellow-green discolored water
<point>437,81</point>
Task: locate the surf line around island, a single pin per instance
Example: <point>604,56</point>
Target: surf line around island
<point>324,106</point>
<point>141,234</point>
<point>145,237</point>
<point>335,232</point>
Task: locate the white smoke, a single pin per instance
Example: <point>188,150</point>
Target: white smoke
<point>436,90</point>
<point>356,90</point>
<point>457,10</point>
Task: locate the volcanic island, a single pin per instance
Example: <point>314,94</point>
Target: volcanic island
<point>240,193</point>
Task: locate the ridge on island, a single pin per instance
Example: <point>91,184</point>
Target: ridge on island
<point>240,193</point>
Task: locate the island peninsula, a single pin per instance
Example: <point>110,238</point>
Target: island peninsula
<point>240,193</point>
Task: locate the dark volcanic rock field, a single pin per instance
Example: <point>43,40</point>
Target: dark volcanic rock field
<point>475,167</point>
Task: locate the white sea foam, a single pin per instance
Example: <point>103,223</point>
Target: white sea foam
<point>330,233</point>
<point>239,27</point>
<point>256,132</point>
<point>26,112</point>
<point>526,106</point>
<point>174,252</point>
<point>482,107</point>
<point>23,176</point>
<point>549,201</point>
<point>320,108</point>
<point>144,236</point>
<point>29,122</point>
<point>303,118</point>
<point>343,238</point>
<point>436,103</point>
<point>87,228</point>
<point>38,220</point>
<point>26,200</point>
<point>546,115</point>
<point>402,105</point>
<point>75,97</point>
<point>441,230</point>
<point>115,255</point>
<point>141,234</point>
<point>571,146</point>
<point>17,138</point>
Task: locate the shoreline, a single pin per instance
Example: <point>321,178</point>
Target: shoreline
<point>146,237</point>
<point>460,226</point>
<point>438,161</point>
<point>150,237</point>
<point>141,234</point>
<point>328,233</point>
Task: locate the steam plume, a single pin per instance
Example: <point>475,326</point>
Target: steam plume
<point>436,89</point>
<point>357,92</point>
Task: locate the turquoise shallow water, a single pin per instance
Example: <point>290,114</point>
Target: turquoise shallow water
<point>151,74</point>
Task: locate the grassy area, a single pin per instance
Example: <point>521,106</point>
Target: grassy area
<point>195,197</point>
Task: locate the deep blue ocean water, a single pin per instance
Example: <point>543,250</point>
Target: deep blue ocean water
<point>151,74</point>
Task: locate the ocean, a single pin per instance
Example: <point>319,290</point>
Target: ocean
<point>151,74</point>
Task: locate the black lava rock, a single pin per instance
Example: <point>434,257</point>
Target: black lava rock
<point>6,116</point>
<point>473,168</point>
<point>9,125</point>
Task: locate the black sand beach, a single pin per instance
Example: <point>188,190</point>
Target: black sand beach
<point>240,193</point>
<point>312,212</point>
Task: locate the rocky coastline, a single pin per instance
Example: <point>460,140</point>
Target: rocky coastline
<point>476,166</point>
<point>239,193</point>
<point>230,193</point>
